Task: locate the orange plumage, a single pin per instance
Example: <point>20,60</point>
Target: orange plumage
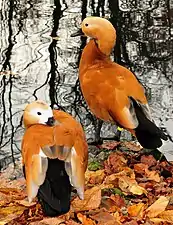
<point>65,141</point>
<point>111,91</point>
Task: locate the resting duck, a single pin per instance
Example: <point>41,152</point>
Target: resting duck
<point>54,153</point>
<point>111,91</point>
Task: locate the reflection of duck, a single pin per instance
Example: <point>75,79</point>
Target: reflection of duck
<point>53,134</point>
<point>112,92</point>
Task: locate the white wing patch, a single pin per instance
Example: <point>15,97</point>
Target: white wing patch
<point>38,173</point>
<point>75,173</point>
<point>41,153</point>
<point>34,190</point>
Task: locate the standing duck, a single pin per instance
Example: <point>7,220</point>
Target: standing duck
<point>55,154</point>
<point>111,91</point>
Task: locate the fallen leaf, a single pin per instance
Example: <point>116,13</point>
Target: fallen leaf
<point>117,216</point>
<point>132,146</point>
<point>119,201</point>
<point>8,214</point>
<point>72,222</point>
<point>132,222</point>
<point>84,220</point>
<point>157,207</point>
<point>113,178</point>
<point>152,175</point>
<point>167,216</point>
<point>25,202</point>
<point>140,168</point>
<point>48,221</point>
<point>130,185</point>
<point>136,210</point>
<point>92,200</point>
<point>148,160</point>
<point>115,163</point>
<point>95,177</point>
<point>110,145</point>
<point>109,204</point>
<point>105,218</point>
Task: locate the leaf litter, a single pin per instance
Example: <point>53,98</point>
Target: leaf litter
<point>132,188</point>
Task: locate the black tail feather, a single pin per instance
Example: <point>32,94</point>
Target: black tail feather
<point>147,133</point>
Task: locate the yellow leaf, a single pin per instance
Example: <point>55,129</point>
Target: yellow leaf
<point>136,210</point>
<point>117,217</point>
<point>10,213</point>
<point>157,207</point>
<point>137,190</point>
<point>25,202</point>
<point>84,220</point>
<point>92,200</point>
<point>157,220</point>
<point>167,216</point>
<point>95,177</point>
<point>152,175</point>
<point>126,172</point>
<point>128,184</point>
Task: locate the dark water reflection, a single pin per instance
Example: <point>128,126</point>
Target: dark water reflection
<point>33,65</point>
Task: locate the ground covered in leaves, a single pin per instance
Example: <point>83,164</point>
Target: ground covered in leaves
<point>126,186</point>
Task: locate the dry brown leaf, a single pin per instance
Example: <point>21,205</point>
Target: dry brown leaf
<point>130,185</point>
<point>92,200</point>
<point>157,207</point>
<point>48,221</point>
<point>157,220</point>
<point>109,204</point>
<point>95,177</point>
<point>84,220</point>
<point>132,222</point>
<point>110,145</point>
<point>113,178</point>
<point>117,216</point>
<point>25,202</point>
<point>115,163</point>
<point>140,168</point>
<point>136,210</point>
<point>167,216</point>
<point>72,222</point>
<point>136,147</point>
<point>148,160</point>
<point>119,201</point>
<point>10,213</point>
<point>105,218</point>
<point>152,175</point>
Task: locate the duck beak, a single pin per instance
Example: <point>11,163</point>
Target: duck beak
<point>78,33</point>
<point>50,121</point>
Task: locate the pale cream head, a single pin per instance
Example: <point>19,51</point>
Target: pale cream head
<point>37,112</point>
<point>102,31</point>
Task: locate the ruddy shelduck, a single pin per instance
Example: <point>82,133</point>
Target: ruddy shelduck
<point>111,91</point>
<point>52,134</point>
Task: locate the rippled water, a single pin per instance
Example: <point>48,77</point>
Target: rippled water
<point>35,66</point>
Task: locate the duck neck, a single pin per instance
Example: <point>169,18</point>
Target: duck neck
<point>90,55</point>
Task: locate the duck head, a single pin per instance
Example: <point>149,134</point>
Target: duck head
<point>101,30</point>
<point>38,112</point>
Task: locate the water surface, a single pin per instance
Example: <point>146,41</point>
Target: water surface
<point>35,66</point>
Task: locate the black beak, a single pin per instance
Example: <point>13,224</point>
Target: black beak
<point>50,121</point>
<point>78,33</point>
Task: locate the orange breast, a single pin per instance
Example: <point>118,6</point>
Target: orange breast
<point>107,86</point>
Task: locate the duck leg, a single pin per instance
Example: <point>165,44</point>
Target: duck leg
<point>98,139</point>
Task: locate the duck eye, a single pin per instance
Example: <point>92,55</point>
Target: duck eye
<point>86,24</point>
<point>39,113</point>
